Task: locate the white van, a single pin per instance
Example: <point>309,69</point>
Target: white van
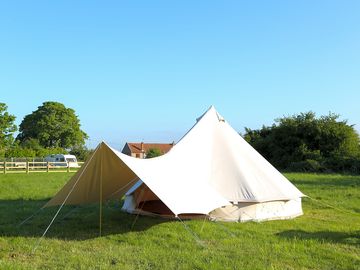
<point>62,160</point>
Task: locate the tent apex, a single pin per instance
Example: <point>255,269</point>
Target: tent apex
<point>211,108</point>
<point>103,143</point>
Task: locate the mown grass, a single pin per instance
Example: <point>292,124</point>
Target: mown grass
<point>323,238</point>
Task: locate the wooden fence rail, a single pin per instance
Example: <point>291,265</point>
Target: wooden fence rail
<point>36,166</point>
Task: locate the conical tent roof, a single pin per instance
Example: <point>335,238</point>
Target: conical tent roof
<point>210,166</point>
<point>239,173</point>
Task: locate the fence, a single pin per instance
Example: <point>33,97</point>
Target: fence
<point>38,166</point>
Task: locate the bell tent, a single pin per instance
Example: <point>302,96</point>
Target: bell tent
<point>211,171</point>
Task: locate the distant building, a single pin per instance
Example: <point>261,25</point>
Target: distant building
<point>139,150</point>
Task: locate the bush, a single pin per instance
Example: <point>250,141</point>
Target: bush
<point>2,153</point>
<point>18,151</point>
<point>308,165</point>
<point>343,164</point>
<point>81,152</point>
<point>49,151</point>
<point>304,142</point>
<point>30,149</point>
<point>153,152</point>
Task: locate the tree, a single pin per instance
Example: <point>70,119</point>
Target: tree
<point>153,152</point>
<point>52,125</point>
<point>7,127</point>
<point>305,142</point>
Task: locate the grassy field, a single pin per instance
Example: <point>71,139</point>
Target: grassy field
<point>323,238</point>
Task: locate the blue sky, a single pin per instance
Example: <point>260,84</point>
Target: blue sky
<point>144,70</point>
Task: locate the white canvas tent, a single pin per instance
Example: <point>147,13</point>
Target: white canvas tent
<point>211,171</point>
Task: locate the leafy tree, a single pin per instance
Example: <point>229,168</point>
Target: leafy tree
<point>7,127</point>
<point>153,152</point>
<point>32,143</point>
<point>305,142</point>
<point>53,125</point>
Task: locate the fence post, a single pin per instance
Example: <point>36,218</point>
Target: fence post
<point>47,166</point>
<point>4,167</point>
<point>68,167</point>
<point>27,166</point>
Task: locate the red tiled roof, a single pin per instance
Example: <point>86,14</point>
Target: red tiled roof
<point>136,147</point>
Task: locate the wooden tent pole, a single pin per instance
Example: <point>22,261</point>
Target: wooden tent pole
<point>100,201</point>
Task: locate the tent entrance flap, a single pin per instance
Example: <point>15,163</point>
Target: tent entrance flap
<point>146,200</point>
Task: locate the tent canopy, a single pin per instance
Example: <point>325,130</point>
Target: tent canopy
<point>211,166</point>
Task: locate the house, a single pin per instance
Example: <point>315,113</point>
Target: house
<point>139,150</point>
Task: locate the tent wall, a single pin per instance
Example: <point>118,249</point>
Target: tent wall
<point>129,204</point>
<point>258,211</point>
<point>240,212</point>
<point>143,201</point>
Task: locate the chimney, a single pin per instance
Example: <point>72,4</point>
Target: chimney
<point>142,147</point>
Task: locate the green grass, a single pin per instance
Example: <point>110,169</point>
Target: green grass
<point>323,238</point>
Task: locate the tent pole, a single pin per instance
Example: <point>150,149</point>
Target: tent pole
<point>100,201</point>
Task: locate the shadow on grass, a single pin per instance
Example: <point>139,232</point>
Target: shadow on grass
<point>75,223</point>
<point>352,238</point>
